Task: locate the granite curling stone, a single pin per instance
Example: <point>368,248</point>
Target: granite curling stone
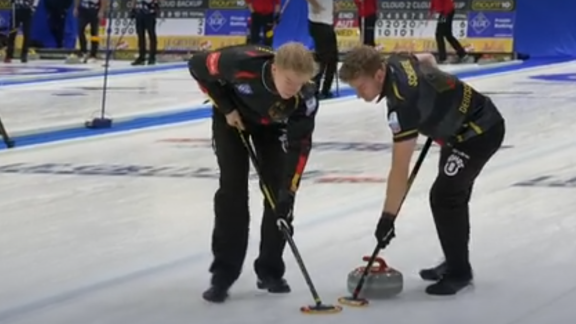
<point>382,282</point>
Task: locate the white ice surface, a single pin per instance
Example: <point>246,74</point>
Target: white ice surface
<point>71,102</point>
<point>78,70</point>
<point>116,249</point>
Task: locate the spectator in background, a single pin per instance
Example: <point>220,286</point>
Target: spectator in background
<point>321,28</point>
<point>145,13</point>
<point>21,16</point>
<point>57,10</point>
<point>263,15</point>
<point>367,11</point>
<point>3,40</point>
<point>89,13</point>
<point>446,10</point>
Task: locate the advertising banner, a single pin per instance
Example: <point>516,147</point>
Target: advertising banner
<point>405,25</point>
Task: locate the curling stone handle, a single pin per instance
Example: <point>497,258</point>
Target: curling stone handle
<point>379,265</point>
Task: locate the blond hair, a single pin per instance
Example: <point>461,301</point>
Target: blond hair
<point>295,57</point>
<point>360,61</point>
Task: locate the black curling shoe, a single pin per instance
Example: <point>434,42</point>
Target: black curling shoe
<point>434,274</point>
<point>275,286</point>
<point>448,286</point>
<point>215,294</point>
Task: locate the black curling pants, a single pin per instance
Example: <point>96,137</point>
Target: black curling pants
<point>146,24</point>
<point>444,31</point>
<point>88,17</point>
<point>450,194</point>
<point>232,217</point>
<point>326,48</point>
<point>261,23</point>
<point>57,24</point>
<point>367,26</point>
<point>22,17</point>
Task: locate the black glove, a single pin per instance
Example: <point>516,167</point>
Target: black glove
<point>385,229</point>
<point>133,13</point>
<point>284,207</point>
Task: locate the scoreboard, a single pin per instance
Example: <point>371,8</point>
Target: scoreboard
<point>410,19</point>
<point>185,25</point>
<point>405,25</point>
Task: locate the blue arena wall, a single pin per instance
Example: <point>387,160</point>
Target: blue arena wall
<point>546,29</point>
<point>542,29</point>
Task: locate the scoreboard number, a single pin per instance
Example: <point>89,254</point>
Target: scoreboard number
<point>182,27</point>
<point>122,26</point>
<point>397,28</point>
<point>201,26</point>
<point>410,28</point>
<point>460,28</point>
<point>196,26</point>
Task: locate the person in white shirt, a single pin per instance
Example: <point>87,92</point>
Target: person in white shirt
<point>321,28</point>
